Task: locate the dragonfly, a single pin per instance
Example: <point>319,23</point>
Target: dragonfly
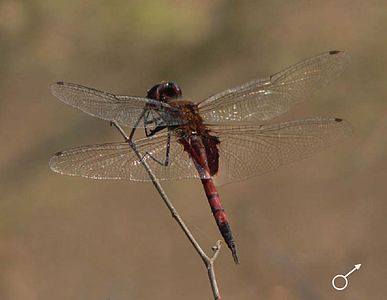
<point>227,135</point>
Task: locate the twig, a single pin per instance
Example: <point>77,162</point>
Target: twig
<point>208,261</point>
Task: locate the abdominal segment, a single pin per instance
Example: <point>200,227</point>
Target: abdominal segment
<point>220,215</point>
<point>204,152</point>
<point>210,144</point>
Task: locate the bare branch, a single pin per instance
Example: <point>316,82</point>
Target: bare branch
<point>208,262</point>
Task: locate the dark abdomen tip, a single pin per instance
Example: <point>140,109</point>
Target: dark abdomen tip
<point>338,120</point>
<point>235,255</point>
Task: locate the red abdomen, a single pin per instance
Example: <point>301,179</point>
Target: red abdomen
<point>205,154</point>
<point>220,215</point>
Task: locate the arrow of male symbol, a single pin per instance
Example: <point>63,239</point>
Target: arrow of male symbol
<point>356,267</point>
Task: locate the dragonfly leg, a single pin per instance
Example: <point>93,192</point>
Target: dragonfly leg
<point>130,138</point>
<point>130,141</point>
<point>153,131</point>
<point>147,122</point>
<point>166,161</point>
<point>157,121</point>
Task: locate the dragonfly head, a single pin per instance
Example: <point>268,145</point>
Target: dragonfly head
<point>164,91</point>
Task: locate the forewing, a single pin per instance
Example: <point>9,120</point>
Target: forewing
<point>264,99</point>
<point>247,151</point>
<point>118,161</point>
<point>124,110</point>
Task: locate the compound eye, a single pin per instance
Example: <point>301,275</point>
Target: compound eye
<point>170,90</point>
<point>175,88</point>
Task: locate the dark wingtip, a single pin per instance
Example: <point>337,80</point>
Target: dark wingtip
<point>338,120</point>
<point>59,153</point>
<point>54,87</point>
<point>332,52</point>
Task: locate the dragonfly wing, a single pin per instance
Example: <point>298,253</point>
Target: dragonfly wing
<point>125,110</point>
<point>118,161</point>
<point>264,99</point>
<point>247,151</point>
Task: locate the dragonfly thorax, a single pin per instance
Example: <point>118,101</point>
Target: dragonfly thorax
<point>164,91</point>
<point>192,121</point>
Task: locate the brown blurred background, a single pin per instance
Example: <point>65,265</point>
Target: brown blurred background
<point>73,238</point>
